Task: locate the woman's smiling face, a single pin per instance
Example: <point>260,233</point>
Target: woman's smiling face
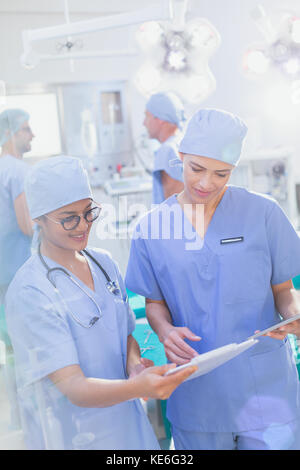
<point>204,178</point>
<point>55,234</point>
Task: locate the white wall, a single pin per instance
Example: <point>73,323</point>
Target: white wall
<point>271,121</point>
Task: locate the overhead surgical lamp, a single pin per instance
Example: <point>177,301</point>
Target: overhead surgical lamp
<point>176,56</point>
<point>281,48</point>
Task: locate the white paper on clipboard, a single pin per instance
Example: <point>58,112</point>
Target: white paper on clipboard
<point>212,359</point>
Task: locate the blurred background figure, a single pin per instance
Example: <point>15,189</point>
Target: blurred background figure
<point>16,225</point>
<point>164,117</point>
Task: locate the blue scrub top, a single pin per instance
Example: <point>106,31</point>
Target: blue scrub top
<point>166,159</point>
<point>222,292</point>
<point>14,245</point>
<point>46,336</point>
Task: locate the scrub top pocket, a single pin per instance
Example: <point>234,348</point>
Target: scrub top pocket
<point>245,276</point>
<point>273,388</point>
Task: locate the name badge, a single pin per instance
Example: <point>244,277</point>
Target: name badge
<point>225,241</point>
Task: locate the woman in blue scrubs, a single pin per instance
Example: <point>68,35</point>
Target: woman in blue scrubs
<point>215,264</point>
<point>70,326</point>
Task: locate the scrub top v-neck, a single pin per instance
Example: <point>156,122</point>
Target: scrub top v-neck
<point>220,288</point>
<point>210,227</point>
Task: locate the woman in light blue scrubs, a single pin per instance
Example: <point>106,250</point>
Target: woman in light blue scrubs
<point>70,326</point>
<point>215,264</point>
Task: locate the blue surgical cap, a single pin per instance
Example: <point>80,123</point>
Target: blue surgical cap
<point>216,134</point>
<point>11,120</point>
<point>54,183</point>
<point>167,107</point>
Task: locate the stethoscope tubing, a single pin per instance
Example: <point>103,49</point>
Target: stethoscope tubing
<point>111,285</point>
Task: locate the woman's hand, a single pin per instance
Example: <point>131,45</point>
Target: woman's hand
<point>92,392</point>
<point>281,332</point>
<point>152,382</point>
<point>172,337</point>
<point>287,301</point>
<point>176,349</point>
<point>135,363</point>
<point>138,368</point>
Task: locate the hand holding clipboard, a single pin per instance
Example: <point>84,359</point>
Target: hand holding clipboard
<point>275,327</point>
<point>208,361</point>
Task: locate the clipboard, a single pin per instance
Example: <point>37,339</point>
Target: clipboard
<point>276,326</point>
<point>212,359</point>
<point>216,357</point>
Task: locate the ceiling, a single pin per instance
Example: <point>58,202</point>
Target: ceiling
<point>102,7</point>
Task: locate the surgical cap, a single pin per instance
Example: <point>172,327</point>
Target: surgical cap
<point>167,107</point>
<point>11,120</point>
<point>216,134</point>
<point>54,183</point>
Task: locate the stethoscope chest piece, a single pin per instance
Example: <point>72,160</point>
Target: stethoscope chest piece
<point>113,288</point>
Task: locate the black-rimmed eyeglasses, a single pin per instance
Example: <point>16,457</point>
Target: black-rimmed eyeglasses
<point>72,221</point>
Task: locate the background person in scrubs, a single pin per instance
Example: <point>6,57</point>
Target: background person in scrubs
<point>164,117</point>
<point>16,226</point>
<point>217,283</point>
<point>72,340</point>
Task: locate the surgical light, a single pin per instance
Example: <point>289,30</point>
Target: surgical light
<point>200,34</point>
<point>175,60</point>
<point>281,49</point>
<point>180,57</point>
<point>203,34</point>
<point>175,51</point>
<point>149,35</point>
<point>256,62</point>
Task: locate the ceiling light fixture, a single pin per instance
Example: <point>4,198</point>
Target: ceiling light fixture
<point>281,48</point>
<point>176,55</point>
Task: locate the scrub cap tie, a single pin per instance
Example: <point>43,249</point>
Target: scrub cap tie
<point>167,107</point>
<point>54,183</point>
<point>11,121</point>
<point>216,134</point>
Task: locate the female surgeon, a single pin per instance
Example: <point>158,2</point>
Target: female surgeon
<point>226,274</point>
<point>71,326</point>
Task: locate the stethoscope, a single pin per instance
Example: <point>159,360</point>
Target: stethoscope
<point>111,286</point>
